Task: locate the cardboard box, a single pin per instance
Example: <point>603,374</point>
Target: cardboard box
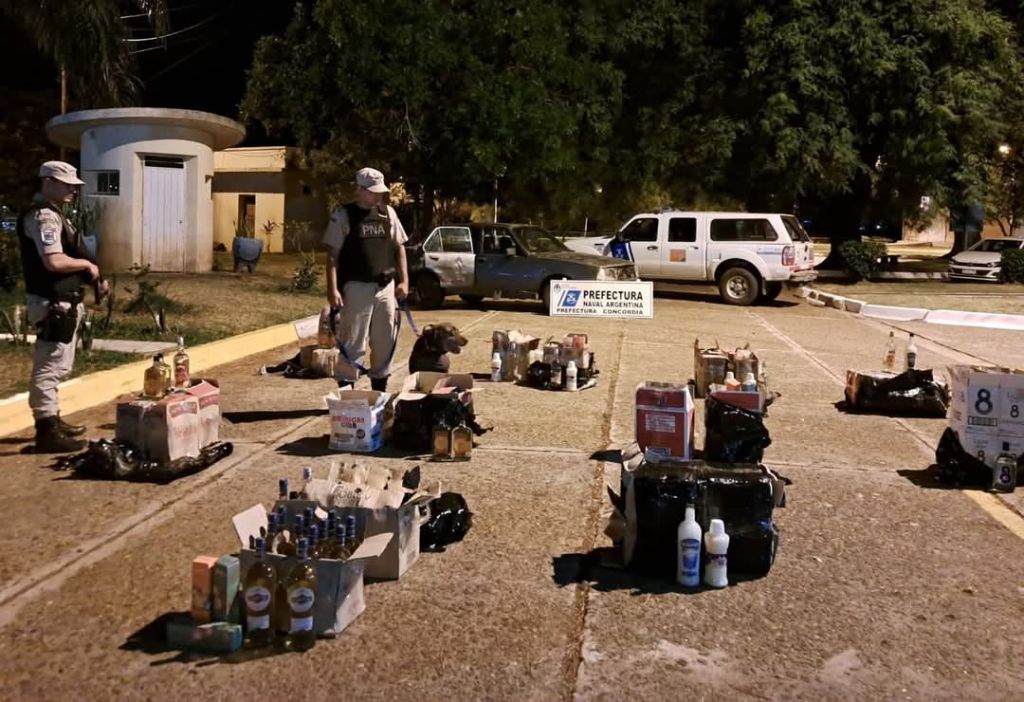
<point>424,395</point>
<point>226,604</point>
<point>514,347</point>
<point>985,409</point>
<point>207,392</point>
<point>162,430</point>
<point>357,419</point>
<point>202,587</point>
<point>710,366</point>
<point>130,428</point>
<point>339,598</point>
<point>664,419</point>
<point>749,400</point>
<point>381,505</point>
<point>323,361</point>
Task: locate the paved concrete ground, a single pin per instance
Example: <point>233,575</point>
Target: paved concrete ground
<point>883,588</point>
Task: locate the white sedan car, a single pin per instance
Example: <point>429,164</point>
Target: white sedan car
<point>981,261</point>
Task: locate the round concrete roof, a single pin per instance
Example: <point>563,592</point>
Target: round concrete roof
<point>66,130</point>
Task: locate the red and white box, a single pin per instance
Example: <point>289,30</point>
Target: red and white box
<point>664,419</point>
<point>207,392</point>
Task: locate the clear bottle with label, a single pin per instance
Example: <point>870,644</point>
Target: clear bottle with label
<point>1004,470</point>
<point>688,550</point>
<point>716,546</point>
<point>258,588</point>
<point>911,362</point>
<point>889,357</point>
<point>301,593</point>
<point>571,376</point>
<point>156,380</point>
<point>182,378</point>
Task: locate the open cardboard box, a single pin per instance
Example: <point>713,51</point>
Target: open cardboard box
<point>357,419</point>
<point>514,347</point>
<point>381,505</point>
<point>339,595</point>
<point>711,364</point>
<point>423,393</point>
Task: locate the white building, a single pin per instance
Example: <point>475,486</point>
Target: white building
<point>151,170</point>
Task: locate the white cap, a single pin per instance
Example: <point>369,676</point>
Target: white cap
<point>571,364</point>
<point>372,180</point>
<point>717,527</point>
<point>62,171</point>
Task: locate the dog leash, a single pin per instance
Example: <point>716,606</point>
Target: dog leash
<point>362,370</point>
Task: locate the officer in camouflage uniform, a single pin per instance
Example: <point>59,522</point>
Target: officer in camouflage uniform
<point>56,269</point>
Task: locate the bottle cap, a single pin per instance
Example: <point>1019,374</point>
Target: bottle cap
<point>258,543</point>
<point>749,379</point>
<point>691,512</point>
<point>717,527</point>
<point>571,364</point>
<point>496,356</point>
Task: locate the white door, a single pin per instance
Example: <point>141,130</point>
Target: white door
<point>163,214</point>
<point>642,235</point>
<point>683,257</point>
<point>449,253</point>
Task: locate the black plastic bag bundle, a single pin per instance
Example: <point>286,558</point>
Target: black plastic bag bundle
<point>415,420</point>
<point>956,466</point>
<point>733,434</point>
<point>449,521</point>
<point>743,496</point>
<point>911,393</point>
<point>111,460</point>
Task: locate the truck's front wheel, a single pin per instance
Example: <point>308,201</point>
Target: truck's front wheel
<point>738,286</point>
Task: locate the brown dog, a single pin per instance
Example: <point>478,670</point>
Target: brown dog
<point>430,352</point>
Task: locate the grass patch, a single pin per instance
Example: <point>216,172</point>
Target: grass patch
<point>202,307</point>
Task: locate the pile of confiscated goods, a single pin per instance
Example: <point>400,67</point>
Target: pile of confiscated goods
<point>432,413</point>
<point>911,392</point>
<point>675,506</point>
<point>569,364</point>
<point>317,358</point>
<point>300,570</point>
<point>169,431</point>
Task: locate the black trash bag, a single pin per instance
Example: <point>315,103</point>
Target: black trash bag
<point>913,393</point>
<point>291,368</point>
<point>449,521</point>
<point>956,466</point>
<point>743,496</point>
<point>733,434</point>
<point>111,460</point>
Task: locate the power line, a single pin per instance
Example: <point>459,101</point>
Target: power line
<point>180,61</point>
<point>161,37</point>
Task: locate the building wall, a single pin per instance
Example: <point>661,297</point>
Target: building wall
<point>122,148</point>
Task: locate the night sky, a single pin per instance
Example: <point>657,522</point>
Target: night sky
<point>203,67</point>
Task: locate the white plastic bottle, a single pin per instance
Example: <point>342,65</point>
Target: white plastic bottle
<point>570,376</point>
<point>716,546</point>
<point>496,367</point>
<point>911,353</point>
<point>749,383</point>
<point>688,550</point>
<point>730,381</point>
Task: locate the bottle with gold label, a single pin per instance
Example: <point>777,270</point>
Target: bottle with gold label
<point>462,443</point>
<point>182,378</point>
<point>301,593</point>
<point>258,593</point>
<point>155,380</point>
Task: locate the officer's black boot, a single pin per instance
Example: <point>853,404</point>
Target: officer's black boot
<point>379,384</point>
<point>69,429</point>
<point>50,440</point>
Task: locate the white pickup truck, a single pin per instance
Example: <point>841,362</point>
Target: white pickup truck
<point>748,255</point>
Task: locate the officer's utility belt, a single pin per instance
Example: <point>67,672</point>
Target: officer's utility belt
<point>383,280</point>
<point>61,322</point>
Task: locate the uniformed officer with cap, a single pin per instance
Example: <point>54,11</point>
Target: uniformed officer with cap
<point>56,268</point>
<point>366,275</point>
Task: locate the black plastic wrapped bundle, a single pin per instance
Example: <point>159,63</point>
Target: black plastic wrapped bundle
<point>449,521</point>
<point>913,393</point>
<point>733,434</point>
<point>110,460</point>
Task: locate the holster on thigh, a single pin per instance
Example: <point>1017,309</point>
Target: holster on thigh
<point>59,325</point>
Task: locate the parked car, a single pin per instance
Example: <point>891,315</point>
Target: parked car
<point>982,260</point>
<point>749,256</point>
<point>476,261</point>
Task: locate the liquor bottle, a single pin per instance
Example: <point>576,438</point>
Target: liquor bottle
<point>271,532</point>
<point>313,537</point>
<point>461,442</point>
<point>441,440</point>
<point>341,550</point>
<point>688,537</point>
<point>307,476</point>
<point>258,589</point>
<point>282,489</point>
<point>182,378</point>
<point>301,593</point>
<point>353,541</point>
<point>911,353</point>
<point>889,357</point>
<point>287,548</point>
<point>154,380</point>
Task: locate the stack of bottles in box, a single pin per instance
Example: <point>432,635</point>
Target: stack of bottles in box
<point>668,500</point>
<point>569,364</point>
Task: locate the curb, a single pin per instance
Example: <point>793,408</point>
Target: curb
<point>96,388</point>
<point>983,320</point>
<point>885,275</point>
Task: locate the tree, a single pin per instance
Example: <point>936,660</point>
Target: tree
<point>85,38</point>
<point>444,96</point>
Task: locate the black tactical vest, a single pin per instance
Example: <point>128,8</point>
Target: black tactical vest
<point>368,253</point>
<point>40,281</point>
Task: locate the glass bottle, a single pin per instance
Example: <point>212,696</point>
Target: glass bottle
<point>911,353</point>
<point>258,588</point>
<point>154,380</point>
<point>182,378</point>
<point>352,541</point>
<point>301,593</point>
<point>282,489</point>
<point>462,443</point>
<point>889,357</point>
<point>313,537</point>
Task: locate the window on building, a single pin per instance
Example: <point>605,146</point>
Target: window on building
<point>108,183</point>
<point>742,230</point>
